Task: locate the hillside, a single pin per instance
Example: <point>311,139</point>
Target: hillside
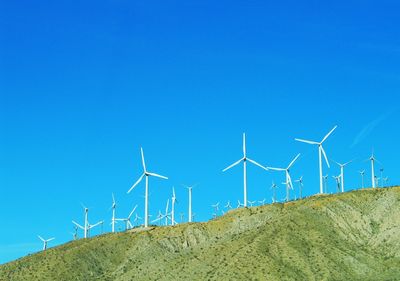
<point>349,236</point>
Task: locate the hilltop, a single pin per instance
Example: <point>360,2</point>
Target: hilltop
<point>348,236</point>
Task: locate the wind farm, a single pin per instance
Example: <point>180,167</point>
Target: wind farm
<point>199,140</point>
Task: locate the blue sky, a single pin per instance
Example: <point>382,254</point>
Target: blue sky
<point>84,85</point>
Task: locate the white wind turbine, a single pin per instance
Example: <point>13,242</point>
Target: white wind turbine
<point>381,170</point>
<point>287,173</point>
<point>45,242</point>
<point>326,183</point>
<point>90,226</point>
<point>166,215</point>
<point>128,224</point>
<point>320,152</point>
<point>137,218</point>
<point>158,218</point>
<point>173,201</point>
<point>146,200</point>
<point>362,173</point>
<point>373,178</point>
<point>86,222</point>
<point>190,188</point>
<point>216,208</point>
<point>300,181</point>
<point>337,179</point>
<point>385,180</point>
<point>240,204</point>
<point>228,205</point>
<point>252,203</point>
<point>273,187</point>
<point>342,172</point>
<point>113,206</point>
<point>244,159</point>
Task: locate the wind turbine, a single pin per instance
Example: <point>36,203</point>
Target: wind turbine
<point>342,172</point>
<point>173,201</point>
<point>252,203</point>
<point>216,208</point>
<point>300,181</point>
<point>90,226</point>
<point>337,179</point>
<point>244,159</point>
<point>128,224</point>
<point>158,218</point>
<point>273,187</point>
<point>146,200</point>
<point>320,152</point>
<point>189,188</point>
<point>182,215</point>
<point>45,242</point>
<point>373,159</point>
<point>85,227</point>
<point>262,202</point>
<point>228,205</point>
<point>113,206</point>
<point>362,173</point>
<point>385,180</point>
<point>381,170</point>
<point>326,183</point>
<point>75,233</point>
<point>137,218</point>
<point>166,215</point>
<point>287,172</point>
<point>239,204</point>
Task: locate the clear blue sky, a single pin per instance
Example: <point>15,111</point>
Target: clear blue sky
<point>84,85</point>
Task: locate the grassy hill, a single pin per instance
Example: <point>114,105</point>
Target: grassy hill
<point>349,236</point>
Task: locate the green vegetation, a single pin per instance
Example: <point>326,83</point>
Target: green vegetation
<point>349,236</point>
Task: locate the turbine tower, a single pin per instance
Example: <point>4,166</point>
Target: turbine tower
<point>146,199</point>
<point>300,181</point>
<point>86,222</point>
<point>113,206</point>
<point>273,187</point>
<point>362,173</point>
<point>342,172</point>
<point>373,159</point>
<point>326,183</point>
<point>45,242</point>
<point>128,224</point>
<point>189,188</point>
<point>244,159</point>
<point>289,183</point>
<point>320,152</point>
<point>173,201</point>
<point>337,179</point>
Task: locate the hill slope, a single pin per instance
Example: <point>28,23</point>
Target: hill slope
<point>349,236</point>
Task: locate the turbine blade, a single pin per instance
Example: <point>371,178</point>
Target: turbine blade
<point>166,208</point>
<point>113,198</point>
<point>326,158</point>
<point>244,145</point>
<point>131,213</point>
<point>276,169</point>
<point>257,164</point>
<point>157,175</point>
<point>41,238</point>
<point>234,164</point>
<point>328,134</point>
<point>78,225</point>
<point>294,160</point>
<point>50,239</point>
<point>143,163</point>
<point>136,183</point>
<point>290,181</point>
<point>306,141</point>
